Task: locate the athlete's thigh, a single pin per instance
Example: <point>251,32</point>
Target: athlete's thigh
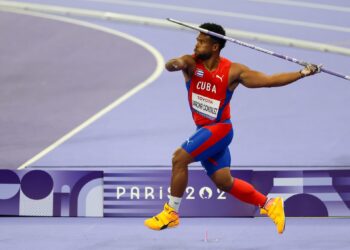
<point>218,161</point>
<point>208,141</point>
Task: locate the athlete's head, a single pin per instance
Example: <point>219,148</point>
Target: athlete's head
<point>206,44</point>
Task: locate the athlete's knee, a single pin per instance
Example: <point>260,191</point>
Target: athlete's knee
<point>176,157</point>
<point>222,179</point>
<point>181,158</point>
<point>224,186</point>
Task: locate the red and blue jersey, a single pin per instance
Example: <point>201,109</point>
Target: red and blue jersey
<point>208,93</point>
<point>209,99</point>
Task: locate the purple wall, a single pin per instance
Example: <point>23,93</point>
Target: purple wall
<point>140,193</point>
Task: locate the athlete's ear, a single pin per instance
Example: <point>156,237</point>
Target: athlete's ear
<point>216,47</point>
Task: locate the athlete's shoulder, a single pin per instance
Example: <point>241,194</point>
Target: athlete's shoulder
<point>225,61</point>
<point>189,59</point>
<point>238,67</point>
<point>236,70</point>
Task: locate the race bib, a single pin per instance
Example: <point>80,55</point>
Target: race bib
<point>205,106</point>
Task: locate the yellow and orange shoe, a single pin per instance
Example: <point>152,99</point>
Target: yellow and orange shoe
<point>274,208</point>
<point>168,218</point>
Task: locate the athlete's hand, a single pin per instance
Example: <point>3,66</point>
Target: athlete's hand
<point>310,69</point>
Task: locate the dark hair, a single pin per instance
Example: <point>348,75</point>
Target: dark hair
<point>217,29</point>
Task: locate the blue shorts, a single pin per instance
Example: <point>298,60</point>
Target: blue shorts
<point>209,145</point>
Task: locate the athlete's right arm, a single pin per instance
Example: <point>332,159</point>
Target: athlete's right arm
<point>185,63</point>
<point>180,63</point>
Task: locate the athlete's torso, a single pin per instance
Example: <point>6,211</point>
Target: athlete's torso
<point>208,93</point>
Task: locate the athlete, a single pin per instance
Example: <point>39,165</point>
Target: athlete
<point>211,81</point>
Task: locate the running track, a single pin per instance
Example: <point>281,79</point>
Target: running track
<point>57,75</point>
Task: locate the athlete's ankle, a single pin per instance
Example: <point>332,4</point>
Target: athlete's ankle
<point>268,203</point>
<point>174,202</point>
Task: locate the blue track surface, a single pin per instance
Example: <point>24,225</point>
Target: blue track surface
<point>129,233</point>
<point>304,124</point>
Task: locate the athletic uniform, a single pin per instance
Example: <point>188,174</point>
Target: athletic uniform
<point>209,100</point>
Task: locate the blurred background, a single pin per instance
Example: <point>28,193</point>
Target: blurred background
<point>63,62</point>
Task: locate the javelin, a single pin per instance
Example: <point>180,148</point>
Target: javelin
<point>291,59</point>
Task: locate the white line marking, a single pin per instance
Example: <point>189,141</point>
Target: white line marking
<point>297,182</point>
<point>130,93</point>
<point>225,14</point>
<point>327,7</point>
<point>238,34</point>
<point>302,181</point>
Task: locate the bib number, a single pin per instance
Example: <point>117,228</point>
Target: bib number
<point>205,106</point>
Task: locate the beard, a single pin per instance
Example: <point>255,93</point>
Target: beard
<point>204,56</point>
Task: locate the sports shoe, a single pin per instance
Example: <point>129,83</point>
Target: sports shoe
<point>166,219</point>
<point>275,210</point>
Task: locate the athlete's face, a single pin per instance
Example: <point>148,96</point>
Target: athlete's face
<point>204,47</point>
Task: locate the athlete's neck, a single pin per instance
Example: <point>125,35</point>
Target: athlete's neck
<point>212,63</point>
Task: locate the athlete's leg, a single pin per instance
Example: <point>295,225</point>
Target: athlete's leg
<point>245,192</point>
<point>222,179</point>
<point>206,141</point>
<point>217,167</point>
<point>169,216</point>
<point>240,189</point>
<point>179,176</point>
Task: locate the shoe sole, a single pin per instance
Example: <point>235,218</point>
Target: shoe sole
<point>168,226</point>
<point>171,224</point>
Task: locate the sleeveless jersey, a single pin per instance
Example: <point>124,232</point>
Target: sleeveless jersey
<point>208,93</point>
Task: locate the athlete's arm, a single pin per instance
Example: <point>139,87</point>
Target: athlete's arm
<point>255,79</point>
<point>185,63</point>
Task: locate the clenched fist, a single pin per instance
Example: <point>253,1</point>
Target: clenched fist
<point>310,69</point>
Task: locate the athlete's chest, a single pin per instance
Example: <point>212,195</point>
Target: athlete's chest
<point>209,83</point>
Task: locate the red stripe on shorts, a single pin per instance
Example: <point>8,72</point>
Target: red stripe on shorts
<point>218,131</point>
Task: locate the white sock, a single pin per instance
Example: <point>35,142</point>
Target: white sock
<point>174,202</point>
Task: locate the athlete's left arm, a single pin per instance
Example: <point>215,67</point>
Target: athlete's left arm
<point>255,79</point>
